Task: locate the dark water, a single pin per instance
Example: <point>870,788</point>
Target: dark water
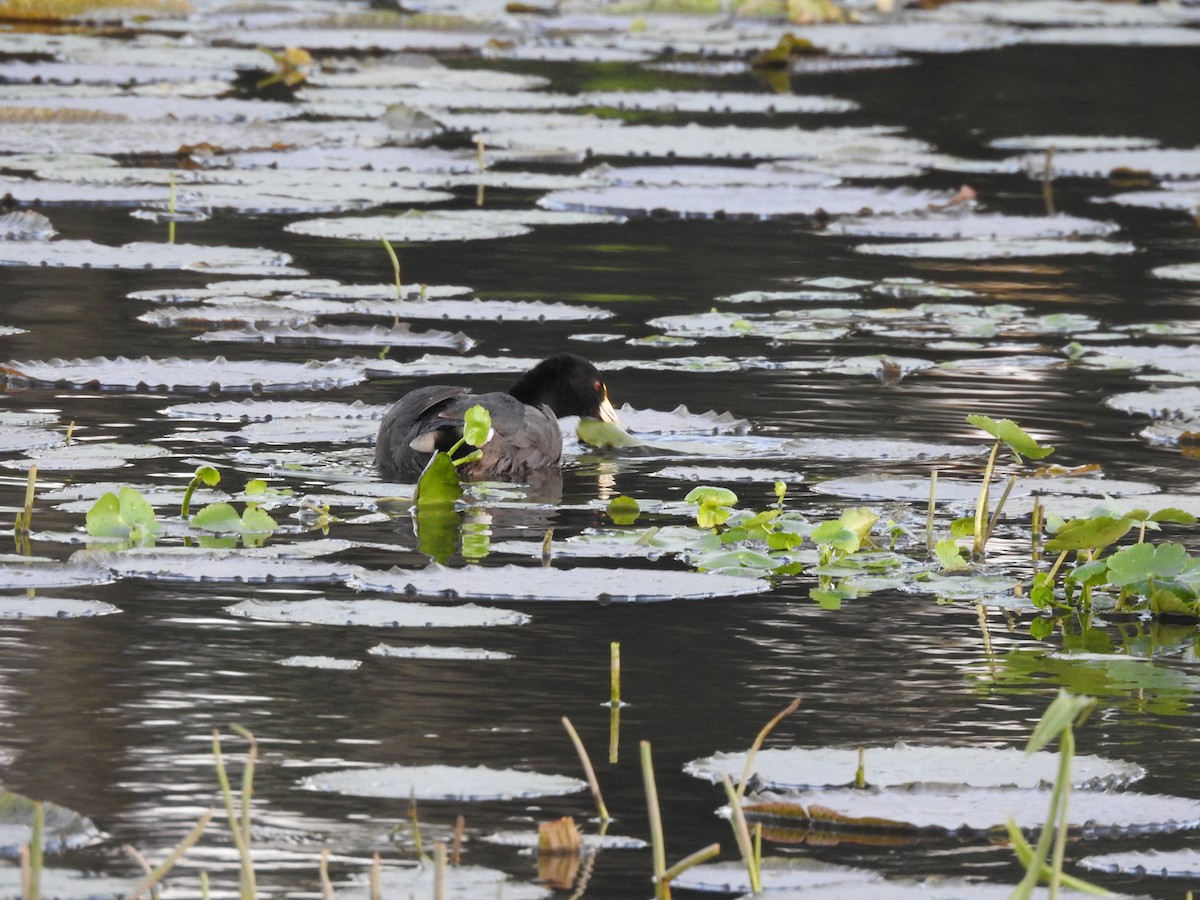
<point>112,716</point>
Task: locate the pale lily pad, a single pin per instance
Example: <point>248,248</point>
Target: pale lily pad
<point>954,809</point>
<point>1178,360</point>
<point>269,410</point>
<point>25,225</point>
<point>376,613</point>
<point>799,768</point>
<point>580,584</point>
<point>81,456</point>
<point>1159,162</point>
<point>933,888</point>
<point>68,884</point>
<point>590,842</point>
<point>189,564</point>
<point>778,874</point>
<point>460,881</point>
<point>1063,143</point>
<point>681,420</point>
<point>39,606</point>
<point>881,487</point>
<point>15,438</point>
<point>64,829</point>
<point>321,662</point>
<point>399,335</point>
<point>443,783</point>
<point>440,225</point>
<point>879,448</point>
<point>85,254</point>
<point>993,226</point>
<point>187,374</point>
<point>1182,863</point>
<point>429,652</point>
<point>28,573</point>
<point>709,142</point>
<point>996,249</point>
<point>1181,402</point>
<point>742,200</point>
<point>1178,272</point>
<point>1183,197</point>
<point>708,176</point>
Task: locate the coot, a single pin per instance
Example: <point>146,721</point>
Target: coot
<point>525,436</point>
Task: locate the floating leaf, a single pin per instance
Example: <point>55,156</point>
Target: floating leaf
<point>375,613</point>
<point>443,783</point>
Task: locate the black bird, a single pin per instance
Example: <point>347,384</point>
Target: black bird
<point>525,434</point>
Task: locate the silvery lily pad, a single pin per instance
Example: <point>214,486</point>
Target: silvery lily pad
<point>267,410</point>
<point>1160,162</point>
<point>1182,863</point>
<point>709,142</point>
<point>85,254</point>
<point>428,652</point>
<point>440,225</point>
<point>188,374</point>
<point>742,200</point>
<point>799,768</point>
<point>1181,402</point>
<point>321,662</point>
<point>994,226</point>
<point>951,809</point>
<point>26,572</point>
<point>68,884</point>
<point>63,828</point>
<point>996,249</point>
<point>188,564</point>
<point>39,606</point>
<point>81,456</point>
<point>399,335</point>
<point>589,842</point>
<point>443,783</point>
<point>460,881</point>
<point>1178,272</point>
<point>778,874</point>
<point>376,613</point>
<point>25,225</point>
<point>528,583</point>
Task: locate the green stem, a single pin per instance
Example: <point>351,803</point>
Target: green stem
<point>981,506</point>
<point>662,887</point>
<point>590,772</point>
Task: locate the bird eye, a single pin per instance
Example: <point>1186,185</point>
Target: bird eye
<point>597,385</point>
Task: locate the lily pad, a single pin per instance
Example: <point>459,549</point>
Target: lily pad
<point>85,254</point>
<point>950,809</point>
<point>40,606</point>
<point>321,662</point>
<point>399,335</point>
<point>1182,863</point>
<point>63,828</point>
<point>185,374</point>
<point>376,613</point>
<point>28,572</point>
<point>439,225</point>
<point>428,652</point>
<point>443,783</point>
<point>799,768</point>
<point>81,456</point>
<point>188,564</point>
<point>996,249</point>
<point>778,874</point>
<point>993,226</point>
<point>527,583</point>
<point>460,881</point>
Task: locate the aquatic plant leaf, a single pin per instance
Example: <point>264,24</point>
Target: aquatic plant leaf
<point>85,254</point>
<point>321,662</point>
<point>1146,562</point>
<point>443,783</point>
<point>438,485</point>
<point>397,335</point>
<point>439,225</point>
<point>63,829</point>
<point>993,226</point>
<point>376,613</point>
<point>190,564</point>
<point>1181,863</point>
<point>1065,711</point>
<point>187,374</point>
<point>69,884</point>
<point>579,584</point>
<point>429,652</point>
<point>463,880</point>
<point>89,456</point>
<point>273,410</point>
<point>778,874</point>
<point>40,606</point>
<point>604,435</point>
<point>25,225</point>
<point>223,518</point>
<point>1012,435</point>
<point>1091,533</point>
<point>951,808</point>
<point>981,248</point>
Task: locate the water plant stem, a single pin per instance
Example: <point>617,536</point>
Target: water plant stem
<point>614,673</point>
<point>32,856</point>
<point>929,542</point>
<point>239,827</point>
<point>692,859</point>
<point>741,834</point>
<point>376,877</point>
<point>981,506</point>
<point>590,772</point>
<point>1048,181</point>
<point>323,870</point>
<point>991,526</point>
<point>387,245</point>
<point>662,887</point>
<point>758,742</point>
<point>159,872</point>
<point>439,871</point>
